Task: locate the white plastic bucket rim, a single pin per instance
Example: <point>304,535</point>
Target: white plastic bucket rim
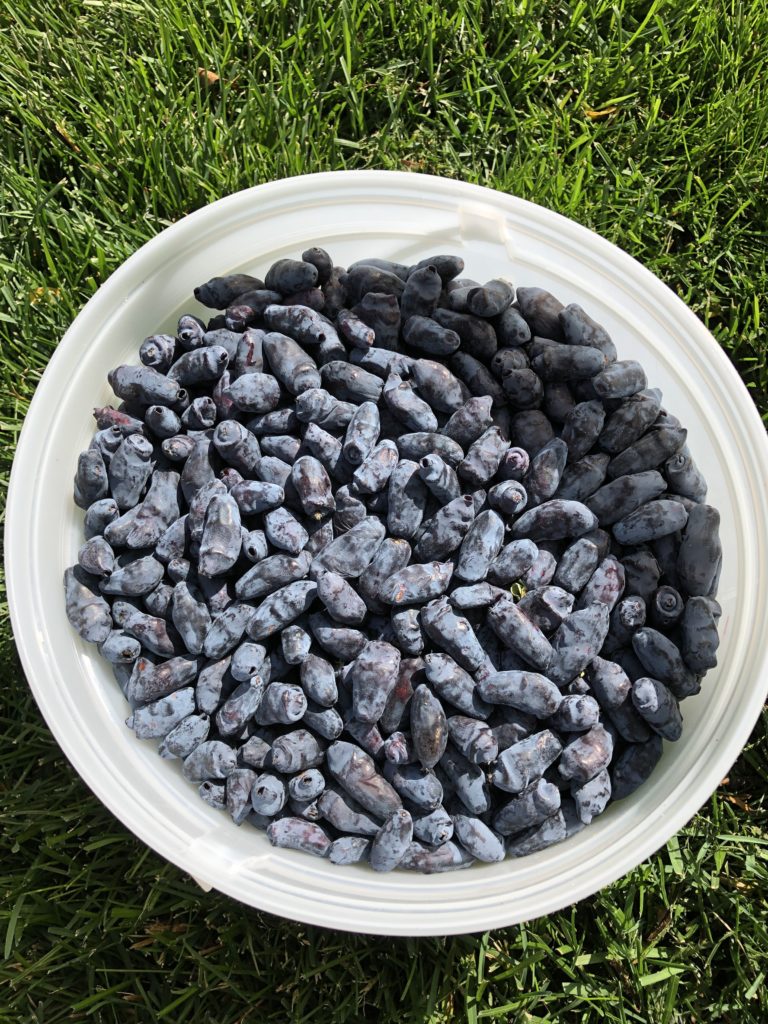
<point>405,217</point>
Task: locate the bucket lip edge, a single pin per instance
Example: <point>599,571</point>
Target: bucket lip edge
<point>14,538</point>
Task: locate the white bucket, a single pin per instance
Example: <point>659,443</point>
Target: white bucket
<point>405,217</point>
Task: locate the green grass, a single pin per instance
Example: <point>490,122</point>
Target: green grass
<point>645,121</point>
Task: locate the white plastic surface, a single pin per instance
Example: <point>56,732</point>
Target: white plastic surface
<point>405,217</point>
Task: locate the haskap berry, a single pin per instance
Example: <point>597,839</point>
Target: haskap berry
<point>405,567</point>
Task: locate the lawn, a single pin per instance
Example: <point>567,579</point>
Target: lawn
<point>645,121</point>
